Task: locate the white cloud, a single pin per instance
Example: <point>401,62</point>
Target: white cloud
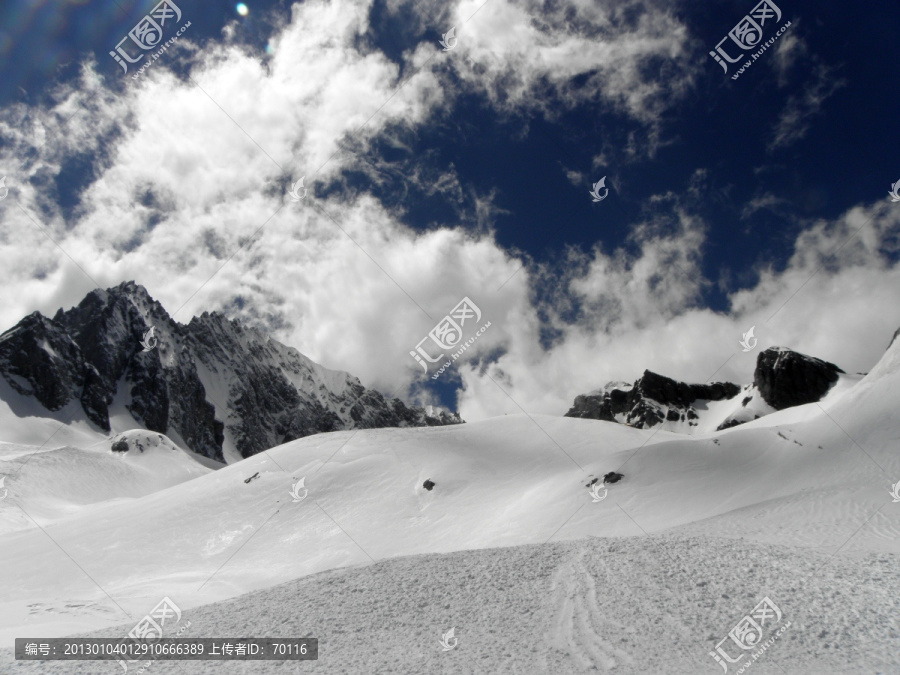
<point>190,186</point>
<point>516,53</point>
<point>794,121</point>
<point>576,178</point>
<point>760,202</point>
<point>791,49</point>
<point>639,314</point>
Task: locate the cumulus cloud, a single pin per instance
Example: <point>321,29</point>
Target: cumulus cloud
<point>630,55</point>
<point>837,299</point>
<point>180,183</point>
<point>187,196</point>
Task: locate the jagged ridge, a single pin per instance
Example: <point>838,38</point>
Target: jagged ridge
<point>268,393</point>
<point>782,379</point>
<point>636,407</point>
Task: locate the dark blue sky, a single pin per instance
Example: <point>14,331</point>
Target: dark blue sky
<point>848,155</point>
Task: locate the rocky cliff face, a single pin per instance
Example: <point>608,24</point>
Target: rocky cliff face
<point>782,379</point>
<point>786,379</point>
<point>651,400</point>
<point>207,381</point>
<point>39,358</point>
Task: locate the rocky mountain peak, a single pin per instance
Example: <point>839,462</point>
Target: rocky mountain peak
<point>212,382</point>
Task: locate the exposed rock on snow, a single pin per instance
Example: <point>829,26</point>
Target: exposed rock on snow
<point>120,446</point>
<point>782,379</point>
<point>786,379</point>
<point>651,400</point>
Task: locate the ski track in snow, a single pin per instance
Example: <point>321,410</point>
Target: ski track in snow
<point>578,628</point>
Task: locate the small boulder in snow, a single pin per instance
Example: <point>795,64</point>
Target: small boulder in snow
<point>120,445</point>
<point>612,477</point>
<point>428,484</point>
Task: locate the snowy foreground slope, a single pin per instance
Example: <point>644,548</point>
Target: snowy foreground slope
<point>795,506</point>
<point>638,605</point>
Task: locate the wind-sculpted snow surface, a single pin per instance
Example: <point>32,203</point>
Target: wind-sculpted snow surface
<point>631,606</point>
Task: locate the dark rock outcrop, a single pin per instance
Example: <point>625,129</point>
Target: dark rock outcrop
<point>782,379</point>
<point>39,358</point>
<point>613,477</point>
<point>729,423</point>
<point>636,402</point>
<point>428,485</point>
<point>786,378</point>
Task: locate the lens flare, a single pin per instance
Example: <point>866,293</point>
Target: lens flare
<point>242,9</point>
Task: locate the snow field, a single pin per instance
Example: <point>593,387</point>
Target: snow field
<point>794,506</point>
<point>631,606</point>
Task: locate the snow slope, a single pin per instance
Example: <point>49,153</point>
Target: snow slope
<point>629,606</point>
<point>809,484</point>
<point>48,485</point>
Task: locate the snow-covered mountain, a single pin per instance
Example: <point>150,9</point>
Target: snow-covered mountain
<point>216,387</point>
<point>533,570</point>
<point>783,378</point>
